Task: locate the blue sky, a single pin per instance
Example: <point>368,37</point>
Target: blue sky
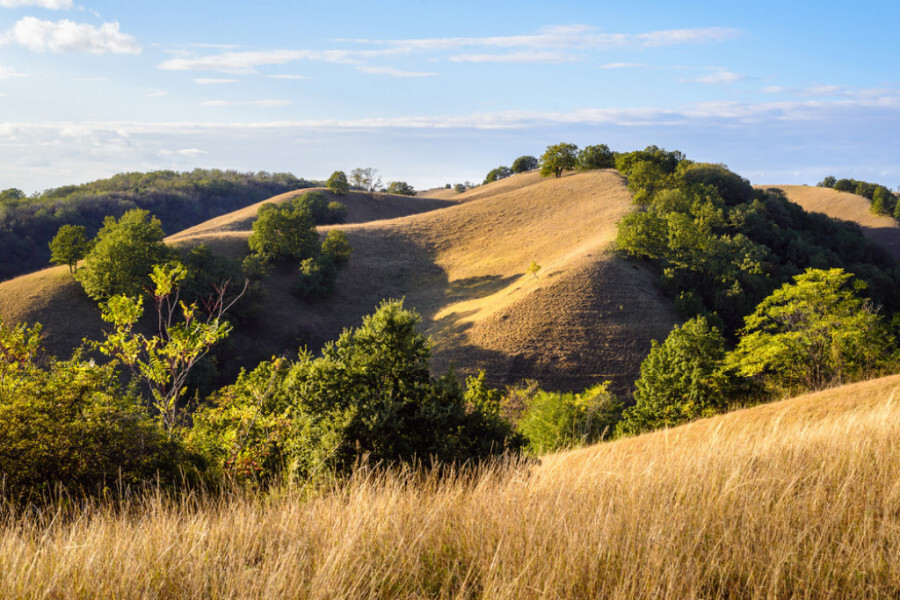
<point>442,92</point>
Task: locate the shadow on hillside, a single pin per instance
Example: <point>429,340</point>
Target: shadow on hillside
<point>472,288</point>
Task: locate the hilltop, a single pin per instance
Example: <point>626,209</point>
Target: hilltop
<point>587,315</point>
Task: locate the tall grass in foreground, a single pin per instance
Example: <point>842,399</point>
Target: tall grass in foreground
<point>799,499</point>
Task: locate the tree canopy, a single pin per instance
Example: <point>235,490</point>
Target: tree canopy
<point>68,246</point>
<point>338,183</point>
<point>123,256</point>
<point>559,158</point>
<point>524,164</point>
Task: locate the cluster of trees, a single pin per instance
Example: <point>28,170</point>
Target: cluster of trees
<point>179,200</point>
<point>366,179</point>
<point>563,157</point>
<point>523,164</point>
<point>884,201</point>
<point>720,246</point>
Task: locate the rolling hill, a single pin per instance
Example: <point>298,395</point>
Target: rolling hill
<point>587,316</point>
<point>882,230</point>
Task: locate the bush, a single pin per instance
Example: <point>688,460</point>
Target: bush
<point>554,420</point>
<point>337,213</point>
<point>337,248</point>
<point>70,424</point>
<point>316,280</point>
<point>401,188</point>
<point>369,396</point>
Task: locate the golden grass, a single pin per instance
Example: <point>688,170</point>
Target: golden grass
<point>880,229</point>
<point>586,318</point>
<point>797,499</point>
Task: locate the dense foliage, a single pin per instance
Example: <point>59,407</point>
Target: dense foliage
<point>721,247</point>
<point>179,200</point>
<point>497,174</point>
<point>524,164</point>
<point>400,188</point>
<point>71,423</point>
<point>68,246</point>
<point>369,396</point>
<point>123,256</point>
<point>559,158</point>
<point>338,183</point>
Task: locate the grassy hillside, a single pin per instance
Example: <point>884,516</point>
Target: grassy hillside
<point>880,229</point>
<point>795,499</point>
<point>588,316</point>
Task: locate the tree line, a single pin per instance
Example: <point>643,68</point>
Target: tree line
<point>883,200</point>
<point>178,199</point>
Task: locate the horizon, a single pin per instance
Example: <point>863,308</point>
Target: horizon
<point>782,94</point>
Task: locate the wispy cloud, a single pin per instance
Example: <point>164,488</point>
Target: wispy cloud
<point>392,72</point>
<point>720,76</point>
<point>214,81</point>
<point>517,57</point>
<point>551,45</point>
<point>157,93</point>
<point>9,73</point>
<point>621,65</point>
<point>51,4</point>
<point>287,76</point>
<point>258,103</point>
<point>41,35</point>
<point>188,152</point>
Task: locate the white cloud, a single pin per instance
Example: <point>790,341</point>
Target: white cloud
<point>247,62</point>
<point>287,76</point>
<point>392,72</point>
<point>40,35</point>
<point>720,76</point>
<point>259,103</point>
<point>189,152</point>
<point>51,4</point>
<point>621,65</point>
<point>211,81</point>
<point>157,93</point>
<point>517,57</point>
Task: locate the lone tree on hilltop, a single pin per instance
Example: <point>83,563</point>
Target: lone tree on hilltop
<point>68,246</point>
<point>558,158</point>
<point>338,183</point>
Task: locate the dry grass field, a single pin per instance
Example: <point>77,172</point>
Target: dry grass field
<point>586,317</point>
<point>795,499</point>
<point>849,207</point>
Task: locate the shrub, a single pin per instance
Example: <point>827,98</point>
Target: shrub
<point>370,395</point>
<point>283,233</point>
<point>316,279</point>
<point>554,420</point>
<point>69,423</point>
<point>337,213</point>
<point>337,248</point>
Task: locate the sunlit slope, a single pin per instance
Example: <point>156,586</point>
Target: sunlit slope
<point>586,316</point>
<point>850,207</point>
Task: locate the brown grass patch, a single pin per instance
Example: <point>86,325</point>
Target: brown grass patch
<point>797,499</point>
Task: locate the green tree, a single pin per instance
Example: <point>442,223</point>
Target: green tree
<point>883,201</point>
<point>123,255</point>
<point>813,333</point>
<point>164,361</point>
<point>681,379</point>
<point>337,247</point>
<point>338,183</point>
<point>498,174</point>
<point>69,245</point>
<point>596,157</point>
<point>559,158</point>
<point>316,278</point>
<point>315,203</point>
<point>523,164</point>
<point>401,188</point>
<point>828,182</point>
<point>283,233</point>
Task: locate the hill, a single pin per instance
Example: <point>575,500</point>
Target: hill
<point>881,229</point>
<point>794,499</point>
<point>587,316</point>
